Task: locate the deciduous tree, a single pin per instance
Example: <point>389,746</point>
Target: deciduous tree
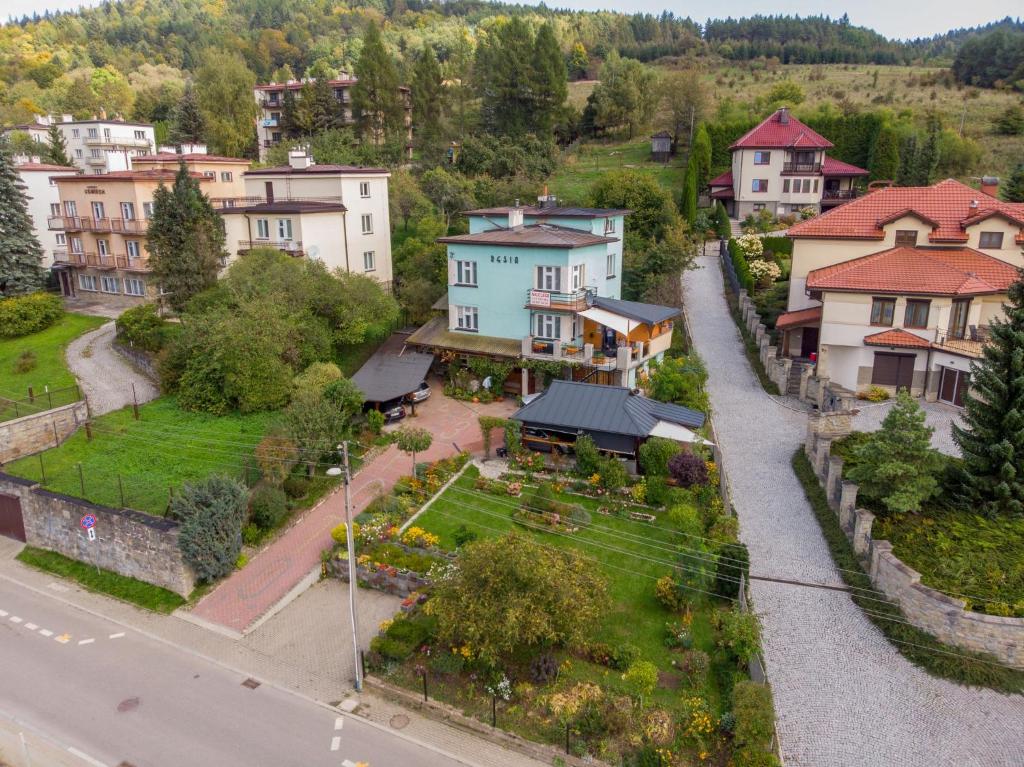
<point>412,440</point>
<point>224,87</point>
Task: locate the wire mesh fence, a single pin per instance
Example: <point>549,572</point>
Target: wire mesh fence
<point>36,401</point>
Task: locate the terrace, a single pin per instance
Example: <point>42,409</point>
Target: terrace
<point>968,342</point>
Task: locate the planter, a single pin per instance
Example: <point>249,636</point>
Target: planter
<point>571,349</point>
<point>539,348</point>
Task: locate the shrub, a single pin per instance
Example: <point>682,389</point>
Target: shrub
<point>447,663</point>
<point>375,421</point>
<point>695,665</point>
<point>668,594</point>
<point>658,492</point>
<point>212,513</point>
<point>30,313</point>
<point>251,535</point>
<point>755,717</point>
<point>641,678</point>
<point>688,469</point>
<point>418,537</point>
<point>740,634</point>
<point>340,533</point>
<point>587,456</point>
<point>876,394</point>
<point>241,562</point>
<point>26,361</point>
<point>391,649</point>
<point>463,535</point>
<point>655,454</point>
<point>733,562</point>
<point>295,487</point>
<point>142,328</point>
<point>613,474</point>
<point>315,378</point>
<point>268,506</point>
<point>624,655</point>
<point>276,454</point>
<point>544,668</point>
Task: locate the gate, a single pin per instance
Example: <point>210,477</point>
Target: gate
<point>11,523</point>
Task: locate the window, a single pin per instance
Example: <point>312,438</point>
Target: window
<point>762,158</point>
<point>958,318</point>
<point>548,326</point>
<point>364,188</point>
<point>466,318</point>
<point>367,223</point>
<point>577,326</point>
<point>98,172</point>
<point>549,278</point>
<point>759,185</point>
<point>226,175</point>
<point>75,133</point>
<point>610,265</point>
<point>906,237</point>
<point>609,226</point>
<point>95,153</point>
<point>284,228</point>
<point>465,273</point>
<point>758,206</point>
<point>54,208</point>
<point>92,133</point>
<point>882,310</point>
<point>110,284</point>
<point>76,244</point>
<point>140,134</point>
<point>98,211</point>
<point>132,246</point>
<point>106,133</point>
<point>128,211</point>
<point>785,185</point>
<point>578,276</point>
<point>102,247</point>
<point>87,282</point>
<point>62,238</point>
<point>134,287</point>
<point>262,229</point>
<point>78,153</point>
<point>70,208</point>
<point>147,210</point>
<point>993,240</point>
<point>815,186</point>
<point>209,174</point>
<point>917,314</point>
<point>369,264</point>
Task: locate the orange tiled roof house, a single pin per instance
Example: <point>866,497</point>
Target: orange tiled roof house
<point>897,289</point>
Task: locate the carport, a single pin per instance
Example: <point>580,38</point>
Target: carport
<point>390,374</point>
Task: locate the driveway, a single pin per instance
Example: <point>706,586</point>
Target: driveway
<point>844,696</point>
<point>937,415</point>
<point>106,378</point>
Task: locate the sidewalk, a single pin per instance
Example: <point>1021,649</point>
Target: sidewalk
<point>238,602</point>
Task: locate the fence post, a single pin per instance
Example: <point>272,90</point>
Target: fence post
<point>494,710</point>
<point>424,686</point>
<point>49,397</point>
<point>120,485</point>
<point>81,478</point>
<point>56,439</point>
<point>42,470</point>
<point>88,431</point>
<point>567,738</point>
<point>31,395</point>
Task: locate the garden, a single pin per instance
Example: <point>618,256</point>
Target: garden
<point>587,603</point>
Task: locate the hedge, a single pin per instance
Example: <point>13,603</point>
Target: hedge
<point>780,246</point>
<point>739,263</point>
<point>30,313</point>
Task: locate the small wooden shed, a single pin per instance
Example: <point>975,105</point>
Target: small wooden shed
<point>661,146</point>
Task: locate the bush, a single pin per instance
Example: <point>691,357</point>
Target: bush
<point>740,634</point>
<point>275,455</point>
<point>268,506</point>
<point>655,454</point>
<point>733,562</point>
<point>446,663</point>
<point>30,313</point>
<point>296,487</point>
<point>695,665</point>
<point>375,421</point>
<point>251,535</point>
<point>391,649</point>
<point>641,678</point>
<point>658,492</point>
<point>755,717</point>
<point>26,361</point>
<point>624,655</point>
<point>142,328</point>
<point>613,474</point>
<point>587,457</point>
<point>668,594</point>
<point>211,513</point>
<point>544,668</point>
<point>463,535</point>
<point>688,470</point>
<point>315,378</point>
<point>340,533</point>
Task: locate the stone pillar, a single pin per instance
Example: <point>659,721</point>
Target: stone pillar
<point>759,332</point>
<point>847,505</point>
<point>622,357</point>
<point>527,349</point>
<point>557,349</point>
<point>862,522</point>
<point>821,455</point>
<point>833,481</point>
<point>742,295</point>
<point>525,381</point>
<point>588,352</point>
<point>805,381</point>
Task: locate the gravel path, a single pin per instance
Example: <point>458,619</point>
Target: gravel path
<point>844,696</point>
<point>937,415</point>
<point>105,376</point>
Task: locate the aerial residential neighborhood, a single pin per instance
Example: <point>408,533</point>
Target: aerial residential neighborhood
<point>500,385</point>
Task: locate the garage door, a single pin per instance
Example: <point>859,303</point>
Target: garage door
<point>953,385</point>
<point>11,523</point>
<point>893,370</point>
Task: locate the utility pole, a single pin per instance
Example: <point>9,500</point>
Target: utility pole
<point>352,586</point>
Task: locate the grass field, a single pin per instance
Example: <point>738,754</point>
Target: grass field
<point>583,166</point>
<point>147,458</point>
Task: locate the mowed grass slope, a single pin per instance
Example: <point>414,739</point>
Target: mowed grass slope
<point>48,347</point>
<point>572,180</point>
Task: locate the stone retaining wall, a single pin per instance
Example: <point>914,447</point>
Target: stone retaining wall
<point>941,615</point>
<point>777,368</point>
<point>40,431</point>
<point>127,542</point>
<point>143,361</point>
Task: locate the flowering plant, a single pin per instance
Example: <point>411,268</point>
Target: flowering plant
<point>750,245</point>
<point>501,689</point>
<point>765,272</point>
<point>417,536</point>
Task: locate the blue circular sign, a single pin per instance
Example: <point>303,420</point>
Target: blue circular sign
<point>88,521</point>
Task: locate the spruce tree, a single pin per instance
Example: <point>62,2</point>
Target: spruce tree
<point>187,123</point>
<point>702,149</point>
<point>376,100</point>
<point>504,79</point>
<point>186,239</point>
<point>689,206</point>
<point>991,438</point>
<point>549,81</point>
<point>1013,189</point>
<point>57,151</point>
<point>21,257</point>
<point>427,103</point>
<point>884,159</point>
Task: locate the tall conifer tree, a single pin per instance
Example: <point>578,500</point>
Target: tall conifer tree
<point>187,123</point>
<point>427,103</point>
<point>21,256</point>
<point>376,100</point>
<point>57,151</point>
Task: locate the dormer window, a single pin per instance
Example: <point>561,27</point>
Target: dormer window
<point>906,237</point>
<point>991,240</point>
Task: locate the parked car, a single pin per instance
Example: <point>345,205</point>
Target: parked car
<point>421,393</point>
<point>393,410</point>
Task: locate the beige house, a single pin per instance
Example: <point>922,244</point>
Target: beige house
<point>223,174</point>
<point>782,166</point>
<point>898,288</point>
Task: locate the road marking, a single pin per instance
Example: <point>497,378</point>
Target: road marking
<point>14,619</point>
<point>335,743</point>
<point>348,763</point>
<point>63,638</point>
<point>86,641</point>
<point>46,632</point>
<point>339,723</point>
<point>4,613</point>
<point>31,626</point>
<point>117,636</point>
<point>85,757</point>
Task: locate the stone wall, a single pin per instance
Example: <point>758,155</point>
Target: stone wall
<point>140,360</point>
<point>40,431</point>
<point>776,367</point>
<point>942,616</point>
<point>127,542</point>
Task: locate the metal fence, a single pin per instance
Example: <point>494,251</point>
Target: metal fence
<point>727,266</point>
<point>37,401</point>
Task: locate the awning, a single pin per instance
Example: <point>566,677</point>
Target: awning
<point>677,433</point>
<point>603,317</point>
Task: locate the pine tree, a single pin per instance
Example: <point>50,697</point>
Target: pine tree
<point>186,239</point>
<point>689,206</point>
<point>289,123</point>
<point>1013,189</point>
<point>376,100</point>
<point>187,123</point>
<point>908,157</point>
<point>549,81</point>
<point>57,151</point>
<point>504,61</point>
<point>884,162</point>
<point>21,256</point>
<point>991,438</point>
<point>427,104</point>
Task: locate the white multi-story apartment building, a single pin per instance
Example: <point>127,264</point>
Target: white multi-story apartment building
<point>43,195</point>
<point>338,214</point>
<point>98,145</point>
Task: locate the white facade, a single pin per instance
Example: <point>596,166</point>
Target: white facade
<point>96,146</point>
<point>44,201</point>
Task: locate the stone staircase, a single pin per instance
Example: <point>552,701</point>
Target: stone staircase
<point>796,372</point>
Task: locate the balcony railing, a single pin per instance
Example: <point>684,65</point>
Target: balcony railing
<point>107,261</point>
<point>291,247</point>
<point>553,300</point>
<point>268,122</point>
<point>60,255</point>
<point>839,194</point>
<point>241,202</point>
<point>968,342</point>
<point>88,224</point>
<point>801,167</point>
<point>117,141</point>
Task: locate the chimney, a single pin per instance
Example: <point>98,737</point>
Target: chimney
<point>67,118</point>
<point>299,159</point>
<point>515,217</point>
<point>784,116</point>
<point>990,185</point>
<point>547,200</point>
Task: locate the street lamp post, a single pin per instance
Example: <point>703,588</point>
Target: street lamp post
<point>336,471</point>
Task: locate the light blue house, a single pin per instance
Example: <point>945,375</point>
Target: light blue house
<point>543,282</point>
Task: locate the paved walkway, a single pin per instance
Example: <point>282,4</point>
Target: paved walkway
<point>937,415</point>
<point>844,696</point>
<point>249,593</point>
<point>105,377</point>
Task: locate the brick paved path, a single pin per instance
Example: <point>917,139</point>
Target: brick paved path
<point>250,592</point>
<point>843,695</point>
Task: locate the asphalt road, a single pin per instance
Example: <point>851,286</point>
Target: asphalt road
<point>113,697</point>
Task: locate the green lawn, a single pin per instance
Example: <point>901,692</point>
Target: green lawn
<point>165,448</point>
<point>572,180</point>
<point>120,587</point>
<point>48,347</point>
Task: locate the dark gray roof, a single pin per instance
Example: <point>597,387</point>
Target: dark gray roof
<point>535,211</point>
<point>652,314</point>
<point>531,236</point>
<point>387,375</point>
<point>594,407</point>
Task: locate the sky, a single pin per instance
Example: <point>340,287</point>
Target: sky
<point>896,19</point>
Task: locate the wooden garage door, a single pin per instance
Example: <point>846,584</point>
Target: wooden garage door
<point>893,370</point>
<point>11,523</point>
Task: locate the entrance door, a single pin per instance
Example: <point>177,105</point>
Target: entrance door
<point>67,285</point>
<point>808,342</point>
<point>893,370</point>
<point>11,523</point>
<point>953,385</point>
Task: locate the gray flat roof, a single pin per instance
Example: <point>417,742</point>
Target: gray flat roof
<point>652,314</point>
<point>388,375</point>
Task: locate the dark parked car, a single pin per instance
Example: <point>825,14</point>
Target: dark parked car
<point>393,410</point>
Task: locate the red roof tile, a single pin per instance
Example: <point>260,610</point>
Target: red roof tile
<point>724,180</point>
<point>800,317</point>
<point>187,157</point>
<point>917,271</point>
<point>44,166</point>
<point>773,133</point>
<point>833,167</point>
<point>156,174</point>
<point>897,337</point>
<point>948,204</point>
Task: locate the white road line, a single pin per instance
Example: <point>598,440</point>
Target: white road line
<point>339,723</point>
<point>14,619</point>
<point>335,743</point>
<point>63,638</point>
<point>46,632</point>
<point>31,626</point>
<point>117,635</point>
<point>86,641</point>
<point>348,763</point>
<point>85,757</point>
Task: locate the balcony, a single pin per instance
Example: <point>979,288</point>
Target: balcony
<point>117,142</point>
<point>555,301</point>
<point>268,122</point>
<point>968,343</point>
<point>838,195</point>
<point>60,255</point>
<point>289,247</point>
<point>97,161</point>
<point>226,203</point>
<point>801,167</point>
<point>104,261</point>
<point>87,224</point>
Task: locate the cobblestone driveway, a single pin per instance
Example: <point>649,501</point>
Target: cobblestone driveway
<point>937,415</point>
<point>844,696</point>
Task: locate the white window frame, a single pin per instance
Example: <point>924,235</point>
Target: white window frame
<point>92,133</point>
<point>467,319</point>
<point>364,189</point>
<point>610,265</point>
<point>54,208</point>
<point>465,273</point>
<point>75,133</point>
<point>110,285</point>
<point>70,208</point>
<point>226,175</point>
<point>141,134</point>
<point>548,326</point>
<point>62,239</point>
<point>262,229</point>
<point>762,157</point>
<point>609,226</point>
<point>366,222</point>
<point>578,278</point>
<point>133,249</point>
<point>548,278</point>
<point>756,186</point>
<point>98,209</point>
<point>103,247</point>
<point>147,210</point>
<point>95,153</point>
<point>133,286</point>
<point>76,245</point>
<point>369,261</point>
<point>128,211</point>
<point>284,229</point>
<point>87,282</point>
